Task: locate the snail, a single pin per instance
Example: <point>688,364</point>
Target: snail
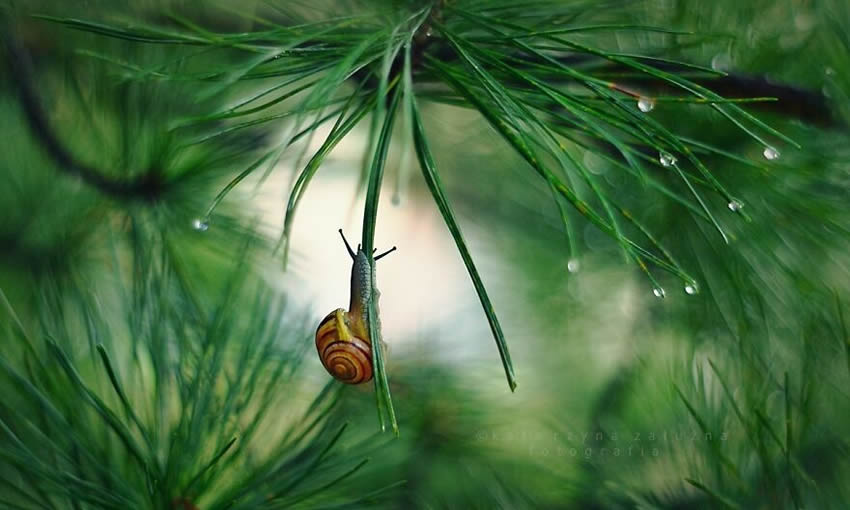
<point>342,338</point>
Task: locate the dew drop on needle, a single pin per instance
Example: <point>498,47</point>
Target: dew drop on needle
<point>666,159</point>
<point>646,104</point>
<point>770,153</point>
<point>200,225</point>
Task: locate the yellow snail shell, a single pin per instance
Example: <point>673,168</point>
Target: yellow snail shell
<point>345,356</point>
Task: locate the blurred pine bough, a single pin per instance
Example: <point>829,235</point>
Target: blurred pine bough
<point>760,382</point>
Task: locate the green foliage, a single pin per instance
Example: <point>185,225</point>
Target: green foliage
<point>152,367</point>
<point>179,409</point>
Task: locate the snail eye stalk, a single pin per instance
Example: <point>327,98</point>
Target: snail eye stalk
<point>386,253</point>
<point>347,246</point>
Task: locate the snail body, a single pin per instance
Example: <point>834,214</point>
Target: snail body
<point>342,338</point>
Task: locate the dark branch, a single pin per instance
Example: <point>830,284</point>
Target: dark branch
<point>422,39</point>
<point>146,186</point>
<point>808,105</point>
<point>423,36</point>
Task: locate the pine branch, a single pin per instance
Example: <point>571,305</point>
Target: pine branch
<point>147,186</point>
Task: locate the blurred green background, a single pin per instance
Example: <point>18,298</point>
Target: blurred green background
<point>736,397</point>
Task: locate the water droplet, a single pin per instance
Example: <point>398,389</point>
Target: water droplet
<point>573,266</point>
<point>692,288</point>
<point>829,71</point>
<point>396,200</point>
<point>735,205</point>
<point>200,225</point>
<point>770,153</point>
<point>666,159</point>
<point>659,292</point>
<point>646,104</point>
<point>721,62</point>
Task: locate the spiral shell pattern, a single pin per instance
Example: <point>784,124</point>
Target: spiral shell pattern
<point>348,360</point>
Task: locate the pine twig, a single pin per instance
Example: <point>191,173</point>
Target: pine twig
<point>147,185</point>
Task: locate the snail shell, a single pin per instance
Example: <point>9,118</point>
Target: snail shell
<point>345,355</point>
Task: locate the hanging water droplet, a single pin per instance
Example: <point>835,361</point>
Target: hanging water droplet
<point>721,62</point>
<point>735,205</point>
<point>659,292</point>
<point>666,159</point>
<point>646,104</point>
<point>829,71</point>
<point>691,288</point>
<point>200,225</point>
<point>573,266</point>
<point>770,153</point>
